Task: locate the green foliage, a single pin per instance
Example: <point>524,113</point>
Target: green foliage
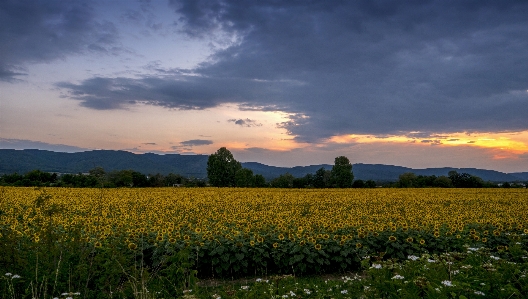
<point>341,173</point>
<point>244,178</point>
<point>222,168</point>
<point>283,181</point>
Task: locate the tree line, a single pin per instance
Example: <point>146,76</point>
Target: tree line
<point>98,177</point>
<point>452,180</point>
<point>224,171</point>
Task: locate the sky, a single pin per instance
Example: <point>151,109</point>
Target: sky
<point>285,83</point>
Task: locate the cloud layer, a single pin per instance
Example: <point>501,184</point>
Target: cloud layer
<point>353,67</point>
<point>43,31</point>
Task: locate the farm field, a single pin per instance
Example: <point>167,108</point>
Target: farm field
<point>104,243</point>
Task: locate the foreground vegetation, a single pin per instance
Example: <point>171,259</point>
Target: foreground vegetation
<point>153,243</point>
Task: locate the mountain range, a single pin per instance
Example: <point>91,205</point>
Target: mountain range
<point>22,161</point>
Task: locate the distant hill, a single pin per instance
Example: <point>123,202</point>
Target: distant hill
<point>23,161</point>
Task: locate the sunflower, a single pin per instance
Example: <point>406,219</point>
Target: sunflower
<point>302,243</point>
<point>392,238</point>
<point>132,246</point>
<point>197,230</point>
<point>98,244</point>
<point>172,240</point>
<point>409,239</point>
<point>252,243</point>
<point>260,239</point>
<point>281,237</point>
<point>458,236</point>
<point>318,246</point>
<point>484,240</point>
<point>359,245</point>
<point>275,245</point>
<point>436,234</point>
<point>496,233</point>
<point>422,242</point>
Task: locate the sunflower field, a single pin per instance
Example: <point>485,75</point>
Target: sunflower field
<point>99,239</point>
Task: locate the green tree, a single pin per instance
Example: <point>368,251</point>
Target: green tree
<point>341,173</point>
<point>260,181</point>
<point>407,180</point>
<point>283,181</point>
<point>222,168</point>
<point>244,178</point>
<point>321,179</point>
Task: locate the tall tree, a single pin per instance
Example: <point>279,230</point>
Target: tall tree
<point>222,168</point>
<point>342,176</point>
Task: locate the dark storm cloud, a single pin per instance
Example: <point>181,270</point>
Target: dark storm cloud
<point>368,67</point>
<point>41,31</point>
<point>245,122</point>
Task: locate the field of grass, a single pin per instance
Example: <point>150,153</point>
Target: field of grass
<point>263,243</point>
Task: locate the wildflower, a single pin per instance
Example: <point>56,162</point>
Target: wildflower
<point>494,257</point>
<point>307,292</point>
<point>216,296</point>
<point>285,296</point>
<point>16,276</point>
<point>479,293</point>
<point>258,280</point>
<point>244,287</point>
<point>376,266</point>
<point>413,257</point>
<point>344,292</point>
<point>292,294</point>
<point>431,261</point>
<point>8,274</point>
<point>455,272</point>
<point>398,276</point>
<point>447,283</point>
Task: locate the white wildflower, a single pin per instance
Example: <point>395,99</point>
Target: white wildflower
<point>8,274</point>
<point>495,257</point>
<point>479,293</point>
<point>447,283</point>
<point>413,257</point>
<point>244,287</point>
<point>258,280</point>
<point>431,261</point>
<point>344,292</point>
<point>398,276</point>
<point>376,266</point>
<point>307,291</point>
<point>292,294</point>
